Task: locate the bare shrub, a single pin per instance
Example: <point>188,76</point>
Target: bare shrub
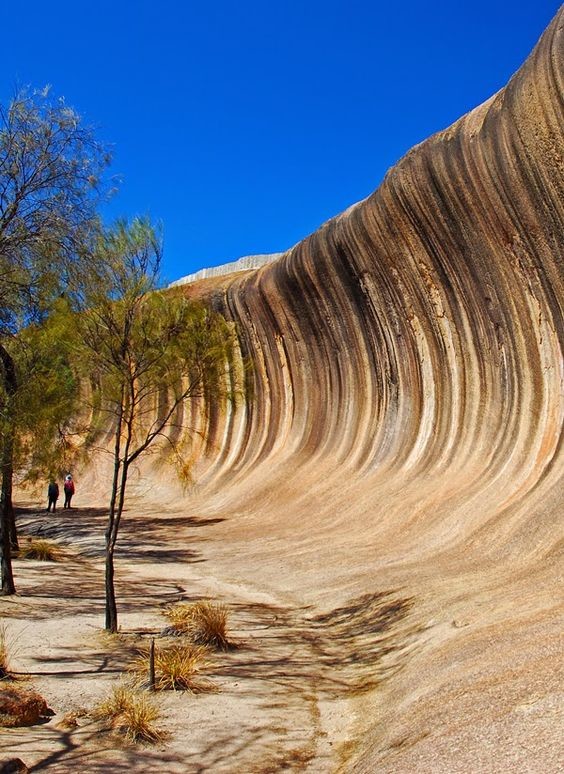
<point>70,720</point>
<point>9,647</point>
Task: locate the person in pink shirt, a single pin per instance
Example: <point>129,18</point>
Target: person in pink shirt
<point>68,487</point>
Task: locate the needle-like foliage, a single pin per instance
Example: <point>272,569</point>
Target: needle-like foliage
<point>50,185</point>
<point>146,353</point>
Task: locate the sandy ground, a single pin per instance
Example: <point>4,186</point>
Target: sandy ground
<point>284,695</point>
<point>339,667</point>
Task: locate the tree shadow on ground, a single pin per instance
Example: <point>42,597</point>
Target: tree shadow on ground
<point>345,651</point>
<point>143,538</point>
<point>77,588</point>
<point>89,750</point>
<point>101,654</point>
<point>79,529</point>
<point>221,753</point>
<point>289,658</point>
<point>348,650</point>
<point>75,584</point>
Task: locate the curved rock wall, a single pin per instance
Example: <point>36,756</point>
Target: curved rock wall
<point>416,338</point>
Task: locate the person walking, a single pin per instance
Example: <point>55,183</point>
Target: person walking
<point>68,486</point>
<point>52,495</point>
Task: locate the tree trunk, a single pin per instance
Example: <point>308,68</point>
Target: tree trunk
<point>111,536</point>
<point>7,520</point>
<point>8,513</point>
<point>8,586</point>
<point>111,607</point>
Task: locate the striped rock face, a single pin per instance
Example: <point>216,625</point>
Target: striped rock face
<point>403,429</point>
<point>414,341</point>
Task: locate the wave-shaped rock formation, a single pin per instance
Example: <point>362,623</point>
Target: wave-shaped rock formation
<point>404,429</point>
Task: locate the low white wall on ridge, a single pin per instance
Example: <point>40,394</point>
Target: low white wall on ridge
<point>247,262</point>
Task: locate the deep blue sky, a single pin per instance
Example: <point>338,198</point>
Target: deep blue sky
<point>242,126</point>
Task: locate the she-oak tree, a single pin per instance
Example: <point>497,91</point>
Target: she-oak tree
<point>50,173</point>
<point>145,353</point>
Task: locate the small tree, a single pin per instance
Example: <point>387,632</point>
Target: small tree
<point>50,167</point>
<point>38,414</point>
<point>147,353</point>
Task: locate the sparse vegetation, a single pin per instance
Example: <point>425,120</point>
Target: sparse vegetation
<point>131,713</point>
<point>204,622</point>
<point>39,548</point>
<point>177,668</point>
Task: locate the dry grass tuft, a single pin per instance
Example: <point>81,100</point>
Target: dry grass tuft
<point>70,720</point>
<point>9,647</point>
<point>111,640</point>
<point>131,714</point>
<point>4,652</point>
<point>177,667</point>
<point>39,548</point>
<point>114,705</point>
<point>204,622</point>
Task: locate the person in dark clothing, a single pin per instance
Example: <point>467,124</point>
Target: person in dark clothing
<point>52,495</point>
<point>68,486</point>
